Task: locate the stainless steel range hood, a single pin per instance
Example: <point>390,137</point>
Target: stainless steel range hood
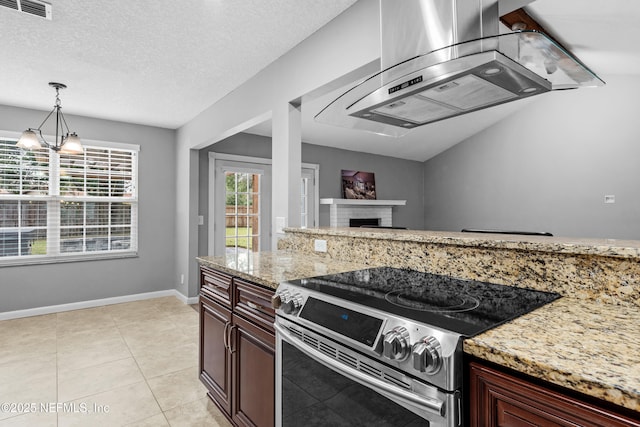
<point>444,58</point>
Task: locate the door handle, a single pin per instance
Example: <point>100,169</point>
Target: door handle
<point>229,339</point>
<point>224,335</point>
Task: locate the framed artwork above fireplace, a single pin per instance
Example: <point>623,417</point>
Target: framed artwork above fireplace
<point>358,185</point>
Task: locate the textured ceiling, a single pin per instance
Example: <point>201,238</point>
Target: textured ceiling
<point>153,62</point>
<point>160,63</point>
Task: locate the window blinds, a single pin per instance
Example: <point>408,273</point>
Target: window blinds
<point>65,205</point>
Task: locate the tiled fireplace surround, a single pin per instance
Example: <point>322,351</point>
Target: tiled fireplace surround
<point>341,211</point>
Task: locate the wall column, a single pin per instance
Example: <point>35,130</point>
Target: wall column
<point>286,167</point>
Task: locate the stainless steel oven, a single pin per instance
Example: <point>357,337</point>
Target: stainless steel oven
<point>382,346</point>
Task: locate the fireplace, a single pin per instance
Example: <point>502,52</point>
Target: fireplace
<point>360,222</point>
<point>343,211</point>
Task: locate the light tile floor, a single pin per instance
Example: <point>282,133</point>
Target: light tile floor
<point>131,364</point>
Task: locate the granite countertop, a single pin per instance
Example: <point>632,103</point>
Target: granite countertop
<point>587,346</point>
<point>270,268</point>
<point>590,347</point>
<point>577,246</point>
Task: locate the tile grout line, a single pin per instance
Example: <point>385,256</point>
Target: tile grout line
<point>61,331</point>
<point>155,398</point>
<point>131,355</point>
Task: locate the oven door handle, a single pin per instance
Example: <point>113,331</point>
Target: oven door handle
<point>435,405</point>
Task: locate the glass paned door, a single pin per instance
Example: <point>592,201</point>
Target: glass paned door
<point>304,213</point>
<point>307,198</point>
<point>242,209</point>
<point>240,202</point>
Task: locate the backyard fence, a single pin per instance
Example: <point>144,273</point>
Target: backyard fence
<point>240,216</point>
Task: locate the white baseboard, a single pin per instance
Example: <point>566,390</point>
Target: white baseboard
<point>95,303</point>
<point>186,300</point>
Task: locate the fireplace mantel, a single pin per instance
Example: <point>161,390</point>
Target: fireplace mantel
<point>342,210</point>
<point>363,202</point>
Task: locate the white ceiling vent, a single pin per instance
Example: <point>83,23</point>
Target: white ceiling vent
<point>32,7</point>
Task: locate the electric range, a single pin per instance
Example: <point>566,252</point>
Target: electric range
<point>396,331</point>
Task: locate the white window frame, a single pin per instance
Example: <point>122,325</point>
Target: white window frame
<point>54,201</point>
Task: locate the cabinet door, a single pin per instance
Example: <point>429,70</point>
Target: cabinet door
<point>500,399</point>
<point>215,359</point>
<point>253,351</point>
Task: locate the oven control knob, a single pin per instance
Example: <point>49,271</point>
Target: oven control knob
<point>396,344</point>
<point>279,298</point>
<point>426,355</point>
<point>276,301</point>
<point>292,304</point>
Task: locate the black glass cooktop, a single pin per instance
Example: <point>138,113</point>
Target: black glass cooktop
<point>467,307</point>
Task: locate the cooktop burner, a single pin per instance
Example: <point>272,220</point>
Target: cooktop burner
<point>467,307</point>
<point>452,303</point>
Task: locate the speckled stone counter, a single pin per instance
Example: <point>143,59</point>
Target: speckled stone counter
<point>590,347</point>
<point>574,246</point>
<point>270,268</point>
<point>588,341</point>
<point>586,269</point>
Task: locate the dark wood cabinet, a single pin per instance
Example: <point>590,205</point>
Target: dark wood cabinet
<point>215,359</point>
<point>253,375</point>
<point>499,398</point>
<point>237,347</point>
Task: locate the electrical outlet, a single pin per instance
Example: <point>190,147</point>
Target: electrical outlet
<point>609,198</point>
<point>320,245</point>
<point>182,279</point>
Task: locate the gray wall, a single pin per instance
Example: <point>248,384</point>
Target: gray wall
<point>547,167</point>
<point>395,178</point>
<point>241,144</point>
<point>24,287</point>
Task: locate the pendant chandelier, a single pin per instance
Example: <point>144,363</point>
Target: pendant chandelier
<point>66,142</point>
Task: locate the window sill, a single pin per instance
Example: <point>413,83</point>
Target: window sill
<point>35,260</point>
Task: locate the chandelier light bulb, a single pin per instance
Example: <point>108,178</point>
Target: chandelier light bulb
<point>71,145</point>
<point>29,140</point>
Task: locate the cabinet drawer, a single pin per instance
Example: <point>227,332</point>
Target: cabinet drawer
<point>216,285</point>
<point>254,303</point>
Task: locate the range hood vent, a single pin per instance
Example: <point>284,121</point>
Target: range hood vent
<point>468,67</point>
<point>31,7</point>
